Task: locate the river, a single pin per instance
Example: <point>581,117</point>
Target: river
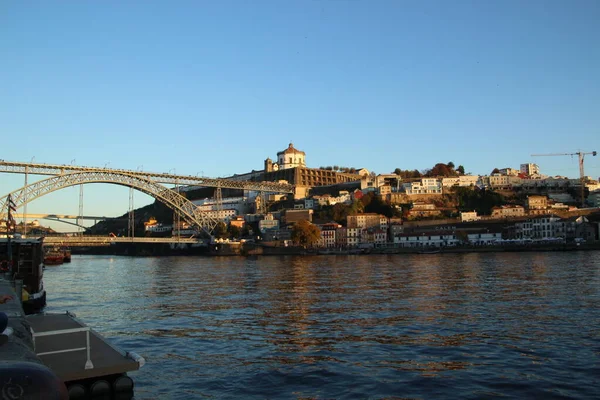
<point>521,325</point>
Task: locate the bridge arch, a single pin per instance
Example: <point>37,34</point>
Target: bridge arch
<point>178,203</point>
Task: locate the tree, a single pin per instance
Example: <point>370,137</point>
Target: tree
<point>234,231</point>
<point>460,170</point>
<point>220,231</point>
<point>450,165</point>
<point>305,234</point>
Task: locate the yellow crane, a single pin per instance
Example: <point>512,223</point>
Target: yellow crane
<point>581,155</point>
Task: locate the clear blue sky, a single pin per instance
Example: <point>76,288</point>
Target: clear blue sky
<point>218,86</point>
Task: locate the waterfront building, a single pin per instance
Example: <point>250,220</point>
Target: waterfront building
<point>484,237</point>
<point>426,239</point>
<point>353,236</point>
<point>328,234</point>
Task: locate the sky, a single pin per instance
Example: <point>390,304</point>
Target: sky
<point>215,87</point>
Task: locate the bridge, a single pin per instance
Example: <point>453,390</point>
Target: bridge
<point>108,240</point>
<point>65,217</point>
<point>151,183</point>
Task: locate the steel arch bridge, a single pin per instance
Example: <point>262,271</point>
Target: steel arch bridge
<point>180,205</point>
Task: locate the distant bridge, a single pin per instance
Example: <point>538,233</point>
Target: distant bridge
<point>63,218</point>
<point>108,240</point>
<point>62,176</point>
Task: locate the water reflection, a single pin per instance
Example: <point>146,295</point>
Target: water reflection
<point>416,326</point>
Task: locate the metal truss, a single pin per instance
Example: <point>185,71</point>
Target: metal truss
<point>180,205</point>
<point>181,180</point>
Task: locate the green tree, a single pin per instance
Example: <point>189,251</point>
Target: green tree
<point>305,234</point>
<point>460,170</point>
<point>450,165</point>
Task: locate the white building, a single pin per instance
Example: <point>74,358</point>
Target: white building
<point>268,223</point>
<point>463,180</point>
<point>426,239</point>
<point>291,158</point>
<point>468,216</point>
<point>425,186</point>
<point>530,169</point>
<point>484,238</point>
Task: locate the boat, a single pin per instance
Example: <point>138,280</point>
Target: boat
<point>53,256</point>
<point>66,254</point>
<point>22,260</point>
<point>430,251</point>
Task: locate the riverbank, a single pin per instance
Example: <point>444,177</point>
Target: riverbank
<point>258,249</point>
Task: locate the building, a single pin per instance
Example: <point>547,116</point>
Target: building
<point>530,169</point>
<point>484,238</point>
<point>237,221</point>
<point>424,186</point>
<point>498,181</point>
<point>328,234</point>
<point>426,239</point>
<point>537,204</point>
<point>509,171</point>
<point>367,220</point>
<point>420,209</point>
<point>269,223</point>
<point>291,158</point>
<point>469,216</point>
<point>508,211</point>
<point>293,216</point>
<point>463,180</point>
<point>353,236</point>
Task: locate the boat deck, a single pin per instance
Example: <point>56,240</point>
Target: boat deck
<point>69,360</point>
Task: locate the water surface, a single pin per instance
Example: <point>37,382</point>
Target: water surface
<point>511,325</point>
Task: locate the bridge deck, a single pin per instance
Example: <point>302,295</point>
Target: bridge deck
<point>70,366</point>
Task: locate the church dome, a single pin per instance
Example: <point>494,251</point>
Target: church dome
<point>291,150</point>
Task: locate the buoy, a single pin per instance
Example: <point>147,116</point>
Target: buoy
<point>123,384</point>
<point>77,391</point>
<point>100,388</point>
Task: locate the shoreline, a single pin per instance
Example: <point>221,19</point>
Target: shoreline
<point>220,250</point>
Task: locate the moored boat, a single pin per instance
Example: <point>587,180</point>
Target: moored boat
<point>66,254</point>
<point>22,260</point>
<point>53,256</point>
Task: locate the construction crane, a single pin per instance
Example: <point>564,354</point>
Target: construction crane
<point>581,155</point>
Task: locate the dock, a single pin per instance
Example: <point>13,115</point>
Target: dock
<point>75,352</point>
